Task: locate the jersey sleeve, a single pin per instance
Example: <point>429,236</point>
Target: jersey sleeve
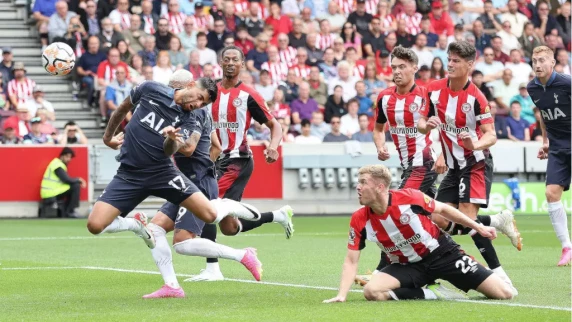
<point>138,91</point>
<point>357,234</point>
<point>381,118</point>
<point>420,202</point>
<point>482,110</point>
<point>258,108</point>
<point>189,125</point>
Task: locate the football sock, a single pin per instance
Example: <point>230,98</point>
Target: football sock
<point>485,220</point>
<point>458,229</point>
<point>485,246</point>
<point>209,232</point>
<point>206,248</point>
<point>412,294</point>
<point>382,262</point>
<point>559,222</point>
<point>266,217</point>
<point>162,256</point>
<point>120,224</point>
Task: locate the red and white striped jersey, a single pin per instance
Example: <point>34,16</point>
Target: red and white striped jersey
<point>413,23</point>
<point>263,12</point>
<point>386,22</point>
<point>404,232</point>
<point>278,71</point>
<point>148,25</point>
<point>217,71</point>
<point>288,56</point>
<point>232,111</point>
<point>107,72</point>
<point>461,111</point>
<point>324,42</point>
<point>22,89</point>
<point>121,18</point>
<point>402,112</point>
<point>358,71</point>
<point>203,22</point>
<point>302,71</point>
<point>371,6</point>
<point>176,21</point>
<point>346,6</point>
<point>241,6</point>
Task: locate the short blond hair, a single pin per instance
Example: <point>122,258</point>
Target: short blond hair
<point>378,172</point>
<point>543,49</point>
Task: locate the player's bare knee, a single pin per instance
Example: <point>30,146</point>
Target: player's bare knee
<point>229,230</point>
<point>552,195</point>
<point>181,235</point>
<point>95,227</point>
<point>374,294</point>
<point>505,292</point>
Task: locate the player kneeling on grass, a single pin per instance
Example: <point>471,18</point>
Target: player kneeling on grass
<point>397,220</point>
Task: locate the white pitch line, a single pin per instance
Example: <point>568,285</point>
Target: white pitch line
<point>63,238</point>
<point>326,288</point>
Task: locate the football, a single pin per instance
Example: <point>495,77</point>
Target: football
<point>58,59</point>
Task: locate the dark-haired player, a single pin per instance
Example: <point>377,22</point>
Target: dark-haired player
<point>400,106</point>
<point>234,107</point>
<point>146,168</point>
<point>550,92</point>
<point>196,161</point>
<point>466,127</point>
<point>397,221</point>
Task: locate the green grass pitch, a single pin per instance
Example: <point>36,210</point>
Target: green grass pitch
<point>54,270</point>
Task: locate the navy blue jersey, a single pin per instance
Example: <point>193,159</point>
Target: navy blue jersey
<point>199,162</point>
<point>155,110</point>
<point>553,100</point>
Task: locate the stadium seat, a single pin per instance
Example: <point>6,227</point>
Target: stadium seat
<point>317,178</point>
<point>330,178</point>
<point>303,178</point>
<point>342,178</point>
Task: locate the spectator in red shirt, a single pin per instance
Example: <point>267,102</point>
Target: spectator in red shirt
<point>440,20</point>
<point>424,76</point>
<point>280,22</point>
<point>106,74</point>
<point>496,44</point>
<point>20,88</point>
<point>19,122</point>
<point>242,41</point>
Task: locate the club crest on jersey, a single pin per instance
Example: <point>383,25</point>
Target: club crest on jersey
<point>237,102</point>
<point>466,108</point>
<point>352,236</point>
<point>413,107</point>
<point>404,219</point>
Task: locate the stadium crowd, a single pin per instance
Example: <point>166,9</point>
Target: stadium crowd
<point>319,64</point>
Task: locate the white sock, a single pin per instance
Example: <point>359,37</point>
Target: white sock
<point>494,220</point>
<point>120,224</point>
<point>162,256</point>
<point>559,222</point>
<point>222,210</point>
<point>279,216</point>
<point>213,267</point>
<point>206,248</point>
<point>500,272</point>
<point>429,295</point>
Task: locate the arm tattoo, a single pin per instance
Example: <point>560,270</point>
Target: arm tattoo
<point>170,146</point>
<point>193,140</point>
<point>117,117</point>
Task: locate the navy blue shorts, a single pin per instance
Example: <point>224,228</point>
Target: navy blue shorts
<point>558,169</point>
<point>183,218</point>
<point>130,186</point>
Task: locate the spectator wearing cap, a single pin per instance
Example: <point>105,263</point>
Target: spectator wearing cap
<point>88,64</point>
<point>526,103</point>
<point>20,88</point>
<point>304,105</point>
<point>38,101</point>
<point>425,57</point>
<point>517,127</point>
<point>424,76</point>
<point>19,122</point>
<point>41,12</point>
<point>385,72</point>
<point>188,36</point>
<point>72,134</point>
<point>59,21</point>
<point>57,183</point>
<point>35,136</point>
<point>9,137</point>
<point>7,66</point>
<point>45,126</point>
<point>460,16</point>
<point>203,21</point>
<point>432,38</point>
<point>440,20</point>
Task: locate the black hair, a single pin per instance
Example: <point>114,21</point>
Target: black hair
<point>305,122</point>
<point>476,73</point>
<point>201,34</point>
<point>66,151</point>
<point>464,49</point>
<point>406,54</point>
<point>362,114</point>
<point>69,123</point>
<point>231,47</point>
<point>210,86</point>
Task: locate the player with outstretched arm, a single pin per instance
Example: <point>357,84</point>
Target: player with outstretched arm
<point>397,221</point>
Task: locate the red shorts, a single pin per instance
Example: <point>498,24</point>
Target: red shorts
<point>233,175</point>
